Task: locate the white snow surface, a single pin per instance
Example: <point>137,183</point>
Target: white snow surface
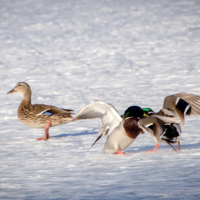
<point>71,52</point>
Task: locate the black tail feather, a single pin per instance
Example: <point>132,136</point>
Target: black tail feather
<point>169,144</point>
<point>96,140</point>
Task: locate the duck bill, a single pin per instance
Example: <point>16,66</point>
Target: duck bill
<point>145,115</point>
<point>12,91</point>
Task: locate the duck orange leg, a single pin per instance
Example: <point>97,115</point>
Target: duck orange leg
<point>46,132</point>
<point>155,148</point>
<point>123,154</point>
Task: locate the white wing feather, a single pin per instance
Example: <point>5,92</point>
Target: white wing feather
<point>109,116</point>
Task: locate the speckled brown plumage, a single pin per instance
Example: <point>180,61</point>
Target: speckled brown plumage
<point>30,115</point>
<point>39,115</point>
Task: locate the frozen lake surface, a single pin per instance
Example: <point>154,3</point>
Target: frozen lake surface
<point>123,52</point>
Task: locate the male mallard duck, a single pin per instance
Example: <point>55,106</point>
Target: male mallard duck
<point>121,131</point>
<point>166,125</point>
<point>39,115</point>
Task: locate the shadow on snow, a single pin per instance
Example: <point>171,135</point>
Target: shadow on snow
<point>166,147</point>
<point>76,134</point>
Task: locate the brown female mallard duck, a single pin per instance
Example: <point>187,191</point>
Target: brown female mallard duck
<point>39,115</point>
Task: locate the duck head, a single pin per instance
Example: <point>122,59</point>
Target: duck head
<point>134,111</point>
<point>22,88</point>
<point>131,117</point>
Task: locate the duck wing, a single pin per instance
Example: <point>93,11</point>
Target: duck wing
<point>168,112</point>
<point>109,117</point>
<point>188,104</point>
<point>193,100</point>
<point>41,109</point>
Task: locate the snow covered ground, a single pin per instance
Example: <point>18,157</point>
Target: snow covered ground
<point>123,52</point>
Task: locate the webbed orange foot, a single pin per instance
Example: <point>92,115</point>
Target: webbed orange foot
<point>43,138</point>
<point>154,150</point>
<point>123,154</point>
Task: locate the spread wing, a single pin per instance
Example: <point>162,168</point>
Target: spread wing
<point>106,112</point>
<point>193,100</point>
<point>188,104</point>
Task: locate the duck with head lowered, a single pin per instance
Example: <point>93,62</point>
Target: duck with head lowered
<point>167,124</point>
<point>121,130</point>
<point>39,115</point>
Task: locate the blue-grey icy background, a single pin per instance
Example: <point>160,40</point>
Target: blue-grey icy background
<point>71,52</point>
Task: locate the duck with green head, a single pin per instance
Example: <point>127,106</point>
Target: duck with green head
<point>121,130</point>
<point>126,132</point>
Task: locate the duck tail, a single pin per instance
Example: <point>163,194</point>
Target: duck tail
<point>97,140</point>
<point>167,142</point>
